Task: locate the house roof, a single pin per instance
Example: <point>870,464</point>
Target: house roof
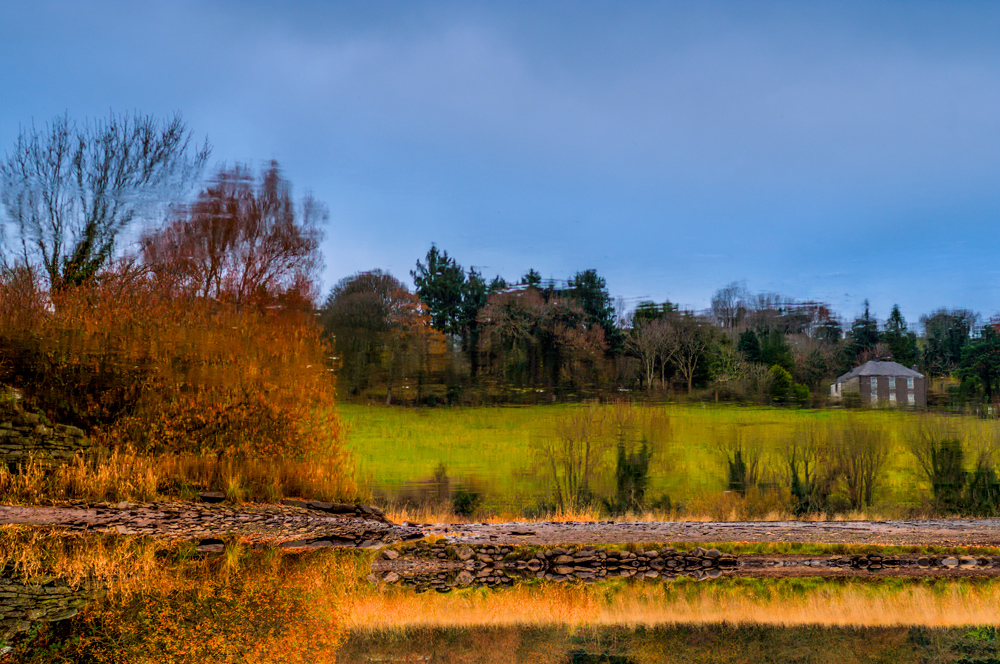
<point>879,368</point>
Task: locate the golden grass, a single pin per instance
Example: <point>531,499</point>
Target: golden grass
<point>124,475</point>
<point>121,565</point>
<point>645,605</point>
<point>166,603</point>
<point>716,507</point>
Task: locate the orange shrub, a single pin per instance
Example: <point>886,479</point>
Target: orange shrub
<point>140,363</point>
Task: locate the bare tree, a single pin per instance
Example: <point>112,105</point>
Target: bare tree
<point>742,454</point>
<point>70,191</point>
<point>687,340</point>
<point>813,472</point>
<point>862,453</point>
<point>243,239</point>
<point>729,305</point>
<point>645,342</point>
<point>572,454</point>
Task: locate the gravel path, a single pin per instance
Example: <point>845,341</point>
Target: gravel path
<point>297,525</point>
<point>313,524</point>
<point>942,532</point>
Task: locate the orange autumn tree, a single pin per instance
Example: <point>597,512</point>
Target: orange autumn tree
<point>244,240</point>
<point>146,357</point>
<point>382,333</point>
<point>242,260</point>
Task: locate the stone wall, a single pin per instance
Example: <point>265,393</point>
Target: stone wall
<point>45,599</point>
<point>24,435</point>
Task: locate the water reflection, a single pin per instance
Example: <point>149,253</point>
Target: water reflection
<point>717,644</point>
<point>106,598</point>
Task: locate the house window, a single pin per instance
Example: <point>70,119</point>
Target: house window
<point>892,382</point>
<point>909,383</point>
<point>873,397</point>
<point>892,396</point>
<point>909,398</point>
<point>874,383</point>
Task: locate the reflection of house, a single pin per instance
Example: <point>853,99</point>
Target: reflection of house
<point>883,381</point>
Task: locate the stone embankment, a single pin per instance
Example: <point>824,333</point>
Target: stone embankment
<point>443,566</point>
<point>43,599</point>
<point>300,525</point>
<point>25,435</point>
<point>935,532</point>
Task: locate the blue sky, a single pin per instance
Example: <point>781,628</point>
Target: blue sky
<point>830,151</point>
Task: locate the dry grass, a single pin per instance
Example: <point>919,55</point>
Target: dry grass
<point>166,603</point>
<point>854,604</point>
<point>121,565</point>
<point>124,475</point>
<point>714,507</point>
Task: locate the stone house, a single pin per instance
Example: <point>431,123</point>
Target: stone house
<point>883,381</point>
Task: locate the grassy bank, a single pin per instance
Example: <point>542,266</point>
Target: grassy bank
<point>417,458</point>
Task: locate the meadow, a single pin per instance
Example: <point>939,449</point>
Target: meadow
<point>417,458</point>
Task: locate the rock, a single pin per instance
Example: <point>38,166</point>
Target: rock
<point>464,552</point>
<point>62,615</point>
<point>390,554</point>
<point>950,562</point>
<point>211,545</point>
<point>211,496</point>
<point>713,553</point>
<point>464,578</point>
<point>563,560</point>
<point>391,577</point>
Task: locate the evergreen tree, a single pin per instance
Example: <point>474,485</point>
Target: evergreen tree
<point>774,350</point>
<point>440,284</point>
<point>532,278</point>
<point>902,343</point>
<point>590,291</point>
<point>981,361</point>
<point>647,311</point>
<point>863,336</point>
<point>946,333</point>
<point>749,345</point>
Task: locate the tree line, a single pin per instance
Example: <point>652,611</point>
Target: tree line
<point>86,201</point>
<point>469,339</point>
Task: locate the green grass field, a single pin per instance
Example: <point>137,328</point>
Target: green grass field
<point>500,451</point>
